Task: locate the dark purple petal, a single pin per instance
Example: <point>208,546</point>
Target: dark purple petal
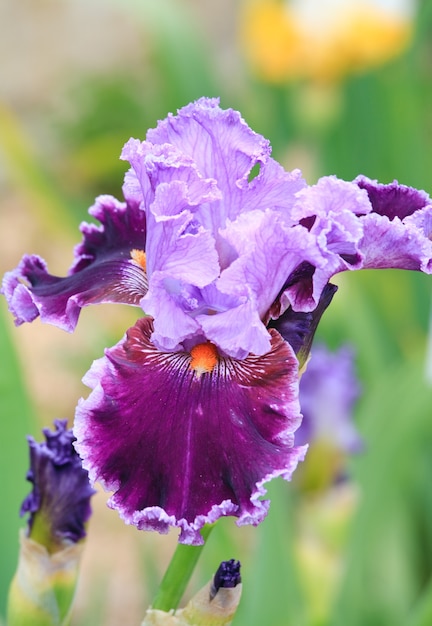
<point>61,489</point>
<point>329,389</point>
<point>298,328</point>
<point>182,445</point>
<point>393,200</point>
<point>106,269</point>
<point>398,233</point>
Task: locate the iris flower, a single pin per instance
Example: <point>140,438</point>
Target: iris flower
<point>229,257</point>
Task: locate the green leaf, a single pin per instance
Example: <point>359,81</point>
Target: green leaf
<point>15,423</point>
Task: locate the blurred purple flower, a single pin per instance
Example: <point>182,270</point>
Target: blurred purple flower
<point>195,409</point>
<point>329,389</point>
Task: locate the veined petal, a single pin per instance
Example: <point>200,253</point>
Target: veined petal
<point>331,196</point>
<point>132,191</point>
<point>170,303</point>
<point>104,270</point>
<point>224,148</point>
<point>200,199</point>
<point>213,138</point>
<point>181,254</point>
<point>238,330</point>
<point>184,259</point>
<point>330,210</point>
<point>156,165</point>
<point>268,252</point>
<point>181,247</point>
<point>398,233</point>
<point>182,446</point>
<point>393,200</point>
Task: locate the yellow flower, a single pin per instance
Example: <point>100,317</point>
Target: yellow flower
<point>321,40</point>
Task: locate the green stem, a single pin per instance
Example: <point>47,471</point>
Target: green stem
<point>178,574</point>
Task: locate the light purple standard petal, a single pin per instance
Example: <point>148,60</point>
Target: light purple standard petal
<point>397,234</point>
<point>106,269</point>
<point>204,270</point>
<point>224,148</point>
<point>181,254</point>
<point>268,252</point>
<point>185,438</point>
<point>330,210</point>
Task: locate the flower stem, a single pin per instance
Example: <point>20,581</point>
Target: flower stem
<point>178,574</point>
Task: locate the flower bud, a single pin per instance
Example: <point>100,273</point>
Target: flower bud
<point>214,605</point>
<point>42,590</point>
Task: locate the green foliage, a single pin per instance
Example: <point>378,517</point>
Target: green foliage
<point>15,423</point>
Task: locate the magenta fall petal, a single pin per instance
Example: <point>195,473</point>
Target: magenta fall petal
<point>103,270</point>
<point>180,448</point>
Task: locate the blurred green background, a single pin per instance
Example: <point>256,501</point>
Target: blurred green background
<point>77,80</point>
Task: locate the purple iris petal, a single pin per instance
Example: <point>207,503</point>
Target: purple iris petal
<point>398,233</point>
<point>181,446</point>
<point>330,211</point>
<point>267,252</point>
<point>298,328</point>
<point>181,253</point>
<point>393,200</point>
<point>329,389</point>
<point>229,240</point>
<point>181,257</point>
<point>103,271</point>
<point>61,490</point>
<point>224,148</point>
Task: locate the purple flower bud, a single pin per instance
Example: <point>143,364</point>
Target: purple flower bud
<point>227,576</point>
<point>59,503</point>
